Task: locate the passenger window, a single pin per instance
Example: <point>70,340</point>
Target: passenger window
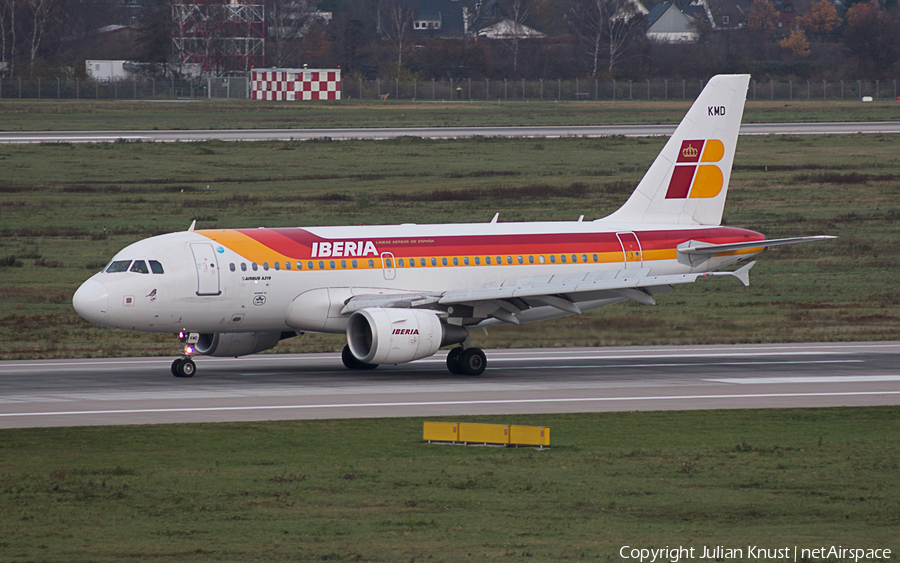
<point>321,264</point>
<point>309,265</point>
<point>562,258</point>
<point>434,261</point>
<point>243,267</point>
<point>509,259</point>
<point>277,265</point>
<point>353,263</point>
<point>466,260</point>
<point>156,267</point>
<point>140,267</point>
<point>477,261</point>
<point>254,267</point>
<point>231,267</point>
<point>553,258</point>
<point>118,266</point>
<point>595,257</point>
<point>388,263</point>
<point>287,265</point>
<point>444,261</point>
<point>574,259</point>
<point>487,260</point>
<point>520,260</point>
<point>541,258</point>
<point>584,258</point>
<point>455,261</point>
<point>371,263</point>
<point>331,263</point>
<point>531,259</point>
<point>421,261</point>
<point>400,262</point>
<point>343,264</point>
<point>266,266</point>
<point>299,265</point>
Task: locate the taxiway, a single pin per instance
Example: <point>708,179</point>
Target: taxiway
<point>377,133</point>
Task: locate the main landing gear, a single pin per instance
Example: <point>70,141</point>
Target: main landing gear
<point>350,361</point>
<point>468,361</point>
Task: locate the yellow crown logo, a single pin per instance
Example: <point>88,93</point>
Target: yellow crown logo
<point>690,152</point>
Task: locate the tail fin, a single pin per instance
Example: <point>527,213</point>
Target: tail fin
<point>688,181</point>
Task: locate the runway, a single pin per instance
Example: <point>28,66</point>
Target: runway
<point>31,137</point>
<point>284,387</point>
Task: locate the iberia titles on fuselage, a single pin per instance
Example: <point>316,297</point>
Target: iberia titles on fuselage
<point>400,292</point>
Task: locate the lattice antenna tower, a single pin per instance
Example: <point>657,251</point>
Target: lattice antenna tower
<point>221,35</point>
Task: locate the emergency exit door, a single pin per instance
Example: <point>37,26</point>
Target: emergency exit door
<point>631,250</point>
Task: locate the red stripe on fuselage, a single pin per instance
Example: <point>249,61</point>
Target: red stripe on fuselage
<point>296,243</point>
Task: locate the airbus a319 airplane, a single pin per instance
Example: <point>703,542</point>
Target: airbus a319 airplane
<point>400,292</point>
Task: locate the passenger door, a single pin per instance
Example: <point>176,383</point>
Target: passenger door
<point>207,269</point>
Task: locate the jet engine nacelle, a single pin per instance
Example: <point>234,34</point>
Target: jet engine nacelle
<point>395,336</point>
<point>236,344</point>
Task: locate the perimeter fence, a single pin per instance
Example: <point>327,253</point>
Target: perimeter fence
<point>237,87</point>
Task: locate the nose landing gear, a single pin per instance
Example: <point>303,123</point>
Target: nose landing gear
<point>185,366</point>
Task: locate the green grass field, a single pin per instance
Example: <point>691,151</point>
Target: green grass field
<point>83,115</point>
<point>369,490</point>
<point>55,200</point>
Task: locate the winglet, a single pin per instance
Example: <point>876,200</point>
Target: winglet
<point>193,224</point>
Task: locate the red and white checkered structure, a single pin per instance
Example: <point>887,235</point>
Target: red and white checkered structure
<point>288,84</point>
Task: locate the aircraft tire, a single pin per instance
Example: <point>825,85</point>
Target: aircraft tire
<point>473,361</point>
<point>453,361</point>
<point>350,361</point>
<point>184,368</point>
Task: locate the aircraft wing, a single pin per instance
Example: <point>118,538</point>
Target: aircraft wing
<point>560,291</point>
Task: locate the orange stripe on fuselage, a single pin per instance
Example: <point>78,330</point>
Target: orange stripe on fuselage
<point>293,245</point>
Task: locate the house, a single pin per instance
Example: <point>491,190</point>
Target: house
<point>666,23</point>
<point>108,42</point>
<point>787,15</point>
<point>725,14</point>
<point>506,28</point>
<point>437,18</point>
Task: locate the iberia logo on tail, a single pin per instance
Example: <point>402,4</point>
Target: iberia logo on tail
<point>696,175</point>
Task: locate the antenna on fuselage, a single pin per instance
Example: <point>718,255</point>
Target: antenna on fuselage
<point>193,224</point>
<point>496,216</point>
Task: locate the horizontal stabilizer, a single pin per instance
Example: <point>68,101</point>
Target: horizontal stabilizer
<point>697,248</point>
<point>743,274</point>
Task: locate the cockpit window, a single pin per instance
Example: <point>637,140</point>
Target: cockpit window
<point>118,266</point>
<point>140,267</point>
<point>156,267</point>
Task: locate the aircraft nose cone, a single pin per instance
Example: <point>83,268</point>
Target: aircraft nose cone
<point>91,301</point>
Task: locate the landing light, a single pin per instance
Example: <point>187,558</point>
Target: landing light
<point>188,350</point>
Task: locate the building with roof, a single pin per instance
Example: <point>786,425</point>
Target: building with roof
<point>506,28</point>
<point>667,23</point>
<point>437,18</point>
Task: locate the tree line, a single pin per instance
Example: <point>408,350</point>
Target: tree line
<point>591,39</point>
